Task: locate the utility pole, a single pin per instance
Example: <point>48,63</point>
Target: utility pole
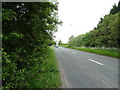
<point>76,38</point>
<point>76,42</point>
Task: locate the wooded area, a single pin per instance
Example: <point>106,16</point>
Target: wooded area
<point>106,34</point>
<point>27,31</point>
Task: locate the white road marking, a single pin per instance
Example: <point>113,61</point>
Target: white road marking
<point>64,78</point>
<point>96,62</point>
<point>73,52</point>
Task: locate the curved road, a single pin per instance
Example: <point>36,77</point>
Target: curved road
<point>86,70</point>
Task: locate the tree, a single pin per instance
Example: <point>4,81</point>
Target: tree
<point>60,42</point>
<point>115,9</point>
<point>106,34</point>
<point>28,29</point>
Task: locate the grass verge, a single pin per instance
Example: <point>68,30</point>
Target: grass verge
<point>107,52</point>
<point>49,77</point>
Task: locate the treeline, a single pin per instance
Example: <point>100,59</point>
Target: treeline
<point>106,34</point>
<point>27,31</point>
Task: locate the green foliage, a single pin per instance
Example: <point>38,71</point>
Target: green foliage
<point>8,14</point>
<point>60,42</point>
<point>107,52</point>
<point>106,34</point>
<point>28,29</point>
<point>72,41</point>
<point>48,76</point>
<point>115,8</point>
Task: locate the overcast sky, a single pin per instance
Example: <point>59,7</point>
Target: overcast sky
<point>80,16</point>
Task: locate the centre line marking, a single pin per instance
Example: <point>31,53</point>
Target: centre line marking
<point>96,62</point>
<point>74,53</point>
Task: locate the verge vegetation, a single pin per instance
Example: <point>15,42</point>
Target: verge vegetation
<point>107,52</point>
<point>49,76</point>
<point>105,35</point>
<point>27,34</point>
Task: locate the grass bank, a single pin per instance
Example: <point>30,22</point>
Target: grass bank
<point>107,52</point>
<point>49,77</point>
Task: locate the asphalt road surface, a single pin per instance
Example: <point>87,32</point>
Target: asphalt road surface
<point>80,69</point>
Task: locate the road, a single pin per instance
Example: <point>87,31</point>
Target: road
<point>80,69</point>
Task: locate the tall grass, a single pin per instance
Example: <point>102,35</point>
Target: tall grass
<point>49,77</point>
<point>108,52</point>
